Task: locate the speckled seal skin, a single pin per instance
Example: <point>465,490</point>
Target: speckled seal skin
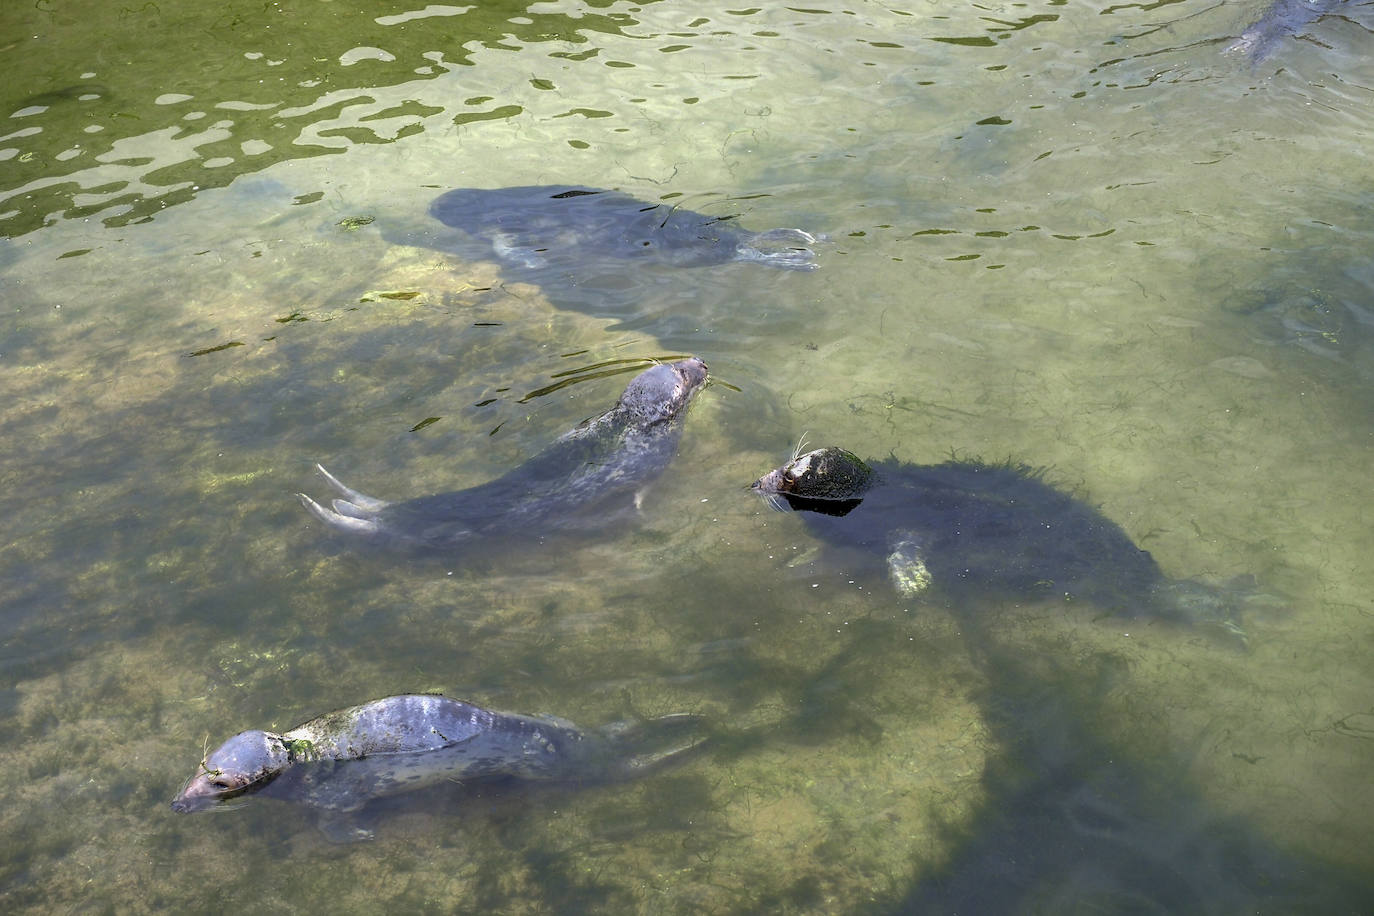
<point>341,761</point>
<point>561,225</point>
<point>605,461</point>
<point>974,529</point>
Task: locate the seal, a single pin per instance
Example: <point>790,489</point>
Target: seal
<point>975,530</point>
<point>339,762</point>
<point>572,483</point>
<point>565,225</point>
<point>1283,19</point>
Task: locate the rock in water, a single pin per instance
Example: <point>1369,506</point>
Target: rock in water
<point>341,761</point>
<point>573,482</point>
<point>972,529</point>
<point>562,225</point>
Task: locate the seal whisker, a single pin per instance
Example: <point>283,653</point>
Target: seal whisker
<point>774,501</point>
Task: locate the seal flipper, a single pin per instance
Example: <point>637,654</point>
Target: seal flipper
<point>1213,607</point>
<point>503,244</point>
<point>336,520</point>
<point>905,565</point>
<point>342,827</point>
<point>344,507</point>
<point>651,742</point>
<point>784,248</point>
<point>362,500</point>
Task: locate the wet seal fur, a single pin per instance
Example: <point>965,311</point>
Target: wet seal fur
<point>339,762</point>
<point>565,225</point>
<point>970,528</point>
<point>571,483</point>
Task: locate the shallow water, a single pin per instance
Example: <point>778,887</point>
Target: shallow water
<point>1078,236</point>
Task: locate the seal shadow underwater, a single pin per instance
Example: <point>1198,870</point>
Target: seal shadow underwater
<point>975,531</point>
<point>1069,824</point>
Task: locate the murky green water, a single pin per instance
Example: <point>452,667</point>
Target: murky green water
<point>1076,235</point>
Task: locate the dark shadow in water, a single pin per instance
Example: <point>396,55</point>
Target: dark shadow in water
<point>1072,827</point>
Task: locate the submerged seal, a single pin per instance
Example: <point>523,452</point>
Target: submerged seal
<point>970,529</point>
<point>564,225</point>
<point>1284,18</point>
<point>572,482</point>
<point>339,762</point>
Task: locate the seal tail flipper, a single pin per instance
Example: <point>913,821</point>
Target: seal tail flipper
<point>337,520</point>
<point>906,565</point>
<point>342,828</point>
<point>503,244</point>
<point>786,248</point>
<point>344,507</point>
<point>657,742</point>
<point>361,500</point>
<point>1214,607</point>
<point>774,500</point>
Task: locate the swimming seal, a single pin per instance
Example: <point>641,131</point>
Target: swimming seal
<point>339,762</point>
<point>1284,18</point>
<point>565,225</point>
<point>974,529</point>
<point>573,482</point>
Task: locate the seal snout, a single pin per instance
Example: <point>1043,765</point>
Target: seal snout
<point>769,483</point>
<point>197,795</point>
<point>689,376</point>
<point>186,806</point>
<point>693,371</point>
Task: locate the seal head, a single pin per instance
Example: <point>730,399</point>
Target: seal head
<point>661,393</point>
<point>831,481</point>
<point>244,763</point>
